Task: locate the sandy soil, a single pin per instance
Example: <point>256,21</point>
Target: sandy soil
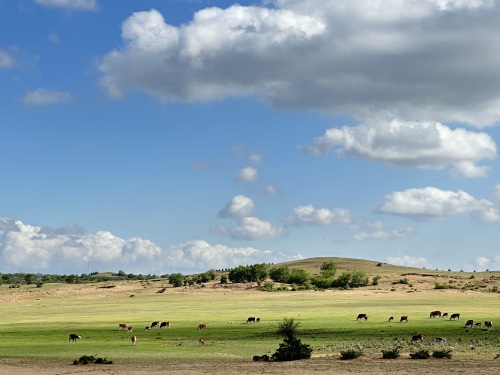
<point>311,366</point>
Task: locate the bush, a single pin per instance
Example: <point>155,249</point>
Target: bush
<point>376,279</point>
<point>268,286</point>
<point>421,354</point>
<point>442,354</point>
<point>350,354</point>
<point>292,349</point>
<point>391,353</point>
<point>87,359</point>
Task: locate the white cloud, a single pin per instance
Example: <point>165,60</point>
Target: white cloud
<point>69,4</point>
<point>6,59</point>
<point>247,174</point>
<point>256,158</point>
<point>426,145</point>
<point>239,207</point>
<point>416,60</point>
<point>251,228</point>
<point>378,231</point>
<point>42,97</point>
<point>408,261</point>
<point>431,202</point>
<point>271,190</point>
<point>309,215</point>
<point>29,248</point>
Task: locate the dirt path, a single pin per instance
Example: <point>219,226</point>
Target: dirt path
<point>312,366</point>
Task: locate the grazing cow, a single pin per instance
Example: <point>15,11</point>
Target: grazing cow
<point>257,320</point>
<point>404,318</point>
<point>251,319</point>
<point>122,326</point>
<point>444,315</point>
<point>362,316</point>
<point>435,313</point>
<point>155,324</point>
<point>455,316</point>
<point>469,323</point>
<point>165,325</point>
<point>478,324</point>
<point>488,325</point>
<point>146,328</point>
<point>202,326</point>
<point>201,341</point>
<point>417,337</point>
<point>391,318</point>
<point>134,340</point>
<point>130,329</point>
<point>73,337</point>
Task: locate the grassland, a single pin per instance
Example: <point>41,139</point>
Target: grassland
<point>35,322</point>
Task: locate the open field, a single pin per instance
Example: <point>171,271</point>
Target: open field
<point>35,323</point>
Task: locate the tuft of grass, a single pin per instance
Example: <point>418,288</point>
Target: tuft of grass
<point>350,354</point>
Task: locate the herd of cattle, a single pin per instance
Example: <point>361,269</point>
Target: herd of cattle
<point>419,337</point>
<point>125,327</point>
<point>404,318</point>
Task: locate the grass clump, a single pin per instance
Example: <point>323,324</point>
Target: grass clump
<point>88,359</point>
<point>421,354</point>
<point>350,354</point>
<point>446,354</point>
<point>391,353</point>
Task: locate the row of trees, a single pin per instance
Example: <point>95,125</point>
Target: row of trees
<point>283,274</point>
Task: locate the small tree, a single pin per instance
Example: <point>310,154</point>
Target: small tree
<point>176,279</point>
<point>291,348</point>
<point>328,269</point>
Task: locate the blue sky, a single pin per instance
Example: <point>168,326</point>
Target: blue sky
<point>160,136</point>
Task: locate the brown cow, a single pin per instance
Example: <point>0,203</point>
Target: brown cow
<point>435,313</point>
<point>488,325</point>
<point>130,329</point>
<point>122,326</point>
<point>455,316</point>
<point>134,340</point>
<point>251,319</point>
<point>469,323</point>
<point>165,325</point>
<point>404,318</point>
<point>417,337</point>
<point>73,337</point>
<point>201,341</point>
<point>362,316</point>
<point>155,324</point>
<point>202,326</point>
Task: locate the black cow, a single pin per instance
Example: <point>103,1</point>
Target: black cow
<point>455,316</point>
<point>362,316</point>
<point>73,337</point>
<point>404,318</point>
<point>251,319</point>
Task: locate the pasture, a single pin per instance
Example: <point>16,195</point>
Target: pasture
<point>35,323</point>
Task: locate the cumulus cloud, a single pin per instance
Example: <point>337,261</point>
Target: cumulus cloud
<point>42,97</point>
<point>69,4</point>
<point>247,174</point>
<point>426,145</point>
<point>408,261</point>
<point>239,207</point>
<point>309,215</point>
<point>251,228</point>
<point>6,59</point>
<point>30,248</point>
<point>413,59</point>
<point>379,231</point>
<point>431,202</point>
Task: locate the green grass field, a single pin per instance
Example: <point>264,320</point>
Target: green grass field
<point>35,322</point>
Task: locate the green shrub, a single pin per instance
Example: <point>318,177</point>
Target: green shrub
<point>268,286</point>
<point>350,354</point>
<point>442,354</point>
<point>421,354</point>
<point>292,349</point>
<point>391,353</point>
